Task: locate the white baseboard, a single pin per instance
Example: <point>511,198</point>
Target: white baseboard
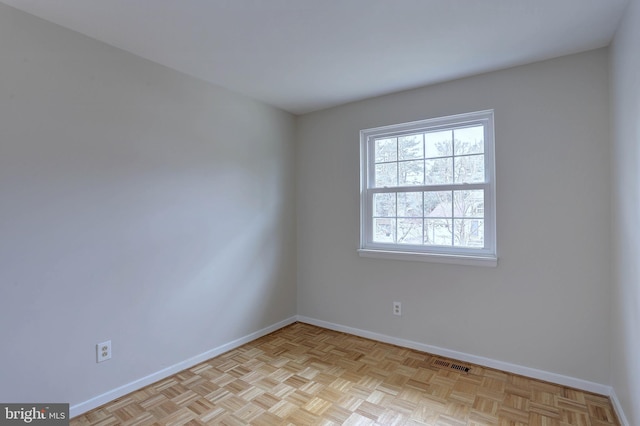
<point>474,359</point>
<point>83,407</point>
<point>616,406</point>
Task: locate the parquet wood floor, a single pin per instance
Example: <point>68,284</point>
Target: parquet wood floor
<point>305,375</point>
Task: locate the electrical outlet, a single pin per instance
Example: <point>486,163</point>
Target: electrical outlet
<point>103,351</point>
<point>397,309</point>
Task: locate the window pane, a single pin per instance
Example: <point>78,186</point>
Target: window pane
<point>410,205</point>
<point>386,150</point>
<point>437,232</point>
<point>384,230</point>
<point>410,147</point>
<point>386,175</point>
<point>469,233</point>
<point>437,204</point>
<point>439,171</point>
<point>410,231</point>
<point>424,187</point>
<point>469,140</point>
<point>469,203</point>
<point>438,144</point>
<point>411,172</point>
<point>469,169</point>
<point>384,205</point>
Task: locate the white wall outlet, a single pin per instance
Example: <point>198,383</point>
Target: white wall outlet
<point>397,309</point>
<point>103,351</point>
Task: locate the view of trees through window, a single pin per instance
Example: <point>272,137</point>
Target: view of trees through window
<point>447,209</point>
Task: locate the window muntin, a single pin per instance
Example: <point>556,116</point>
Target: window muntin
<point>428,187</point>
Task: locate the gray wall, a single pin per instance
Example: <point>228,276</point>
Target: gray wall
<point>137,205</point>
<point>625,124</point>
<point>546,305</point>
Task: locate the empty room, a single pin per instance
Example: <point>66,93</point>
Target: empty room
<point>311,212</point>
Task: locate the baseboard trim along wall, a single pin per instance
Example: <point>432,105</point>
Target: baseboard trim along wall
<point>534,373</point>
<point>461,356</point>
<point>618,408</point>
<point>83,407</point>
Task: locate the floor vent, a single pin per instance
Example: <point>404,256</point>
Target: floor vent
<point>460,368</point>
<point>446,364</point>
<point>441,363</point>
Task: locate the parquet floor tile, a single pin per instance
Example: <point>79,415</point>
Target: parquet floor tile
<point>305,375</point>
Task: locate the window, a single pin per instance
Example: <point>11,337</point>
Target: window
<point>427,190</point>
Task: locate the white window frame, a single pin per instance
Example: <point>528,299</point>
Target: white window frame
<point>486,256</point>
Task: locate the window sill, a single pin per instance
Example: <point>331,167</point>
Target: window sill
<point>487,261</point>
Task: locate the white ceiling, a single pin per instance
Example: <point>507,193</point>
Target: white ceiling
<point>306,55</point>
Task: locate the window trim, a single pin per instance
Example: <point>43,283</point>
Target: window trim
<point>442,254</point>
